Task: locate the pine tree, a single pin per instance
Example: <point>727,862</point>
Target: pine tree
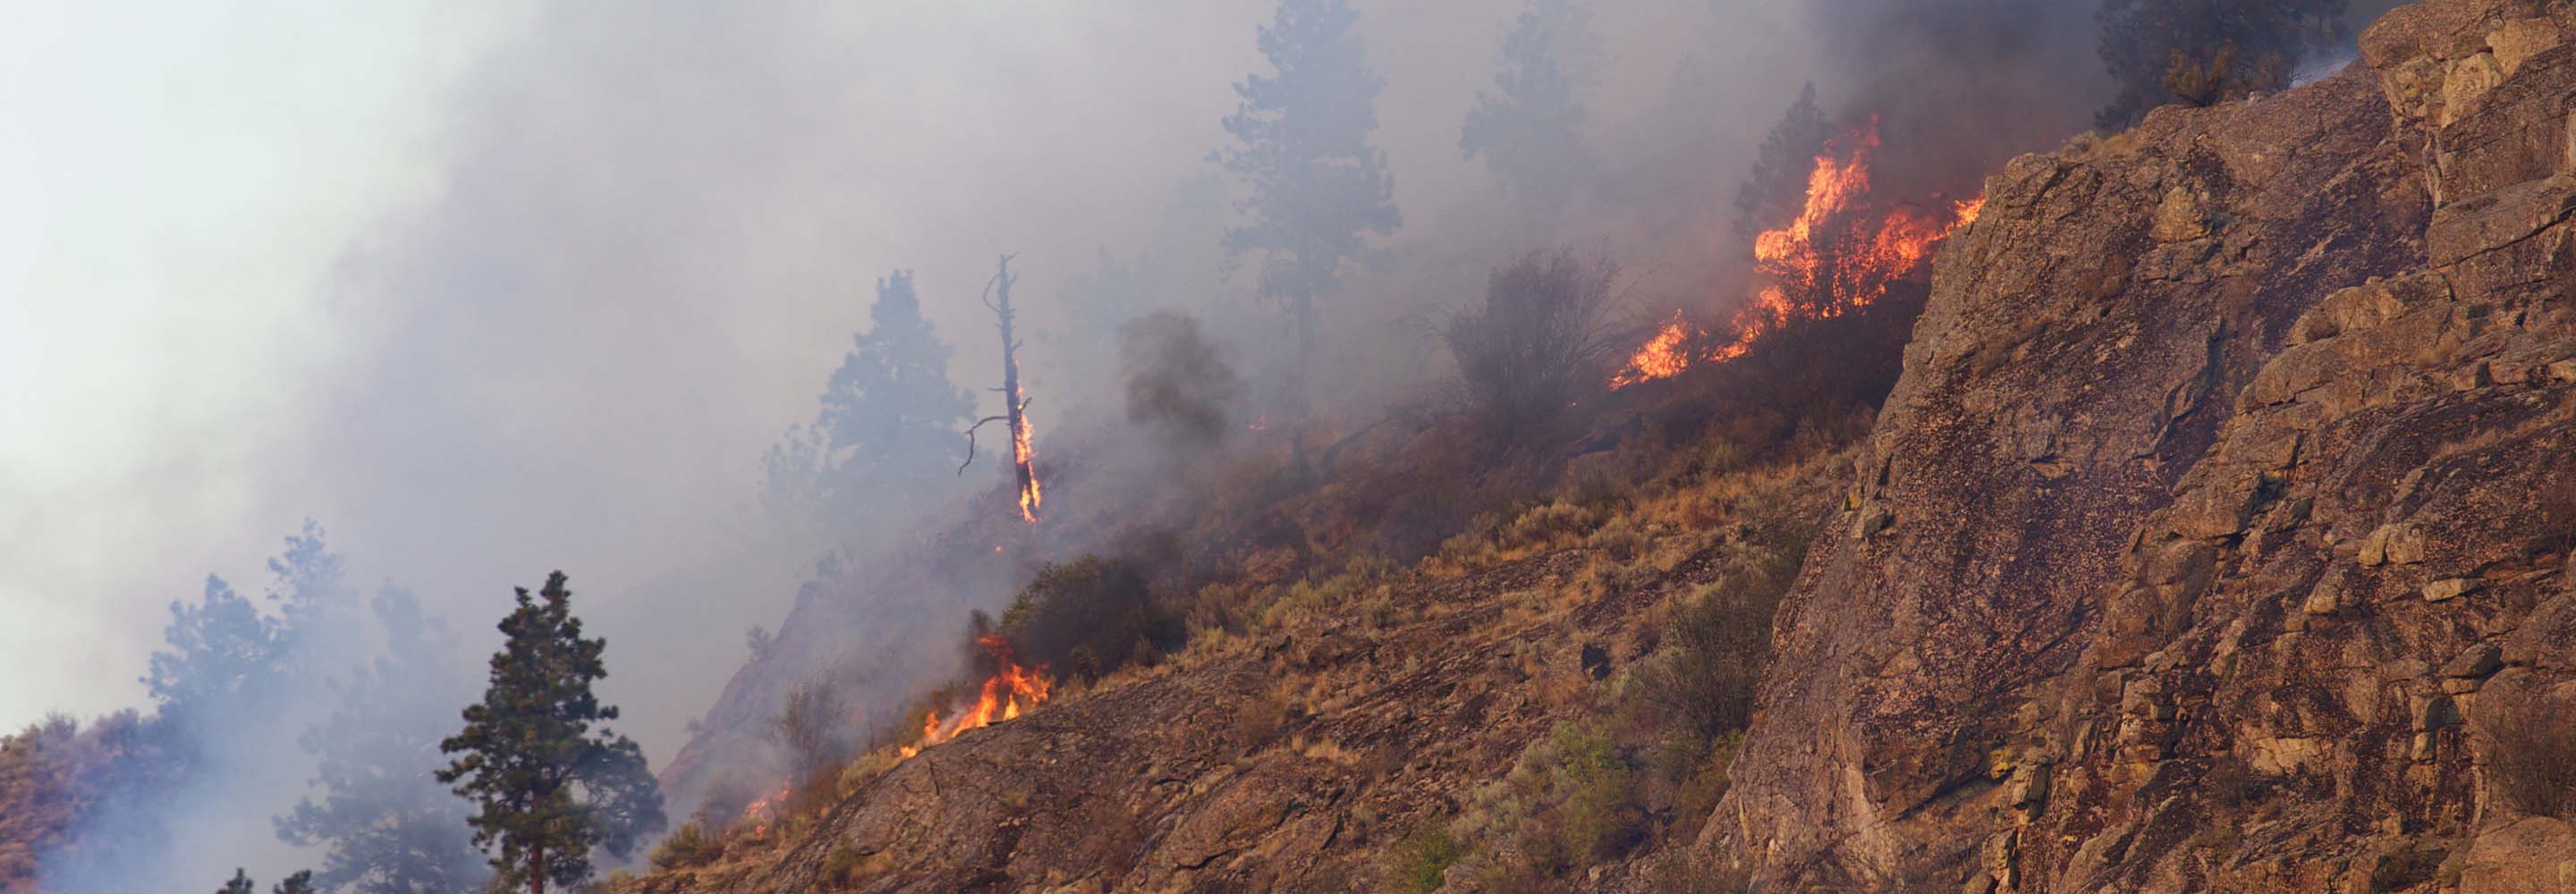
<point>889,424</point>
<point>222,654</point>
<point>240,884</point>
<point>299,883</point>
<point>1318,187</point>
<point>389,827</point>
<point>1776,190</point>
<point>1529,129</point>
<point>548,789</point>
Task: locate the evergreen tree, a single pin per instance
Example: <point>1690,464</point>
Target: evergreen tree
<point>549,790</point>
<point>1318,188</point>
<point>890,423</point>
<point>1529,129</point>
<point>389,827</point>
<point>308,582</point>
<point>1776,191</point>
<point>299,883</point>
<point>240,884</point>
<point>221,653</point>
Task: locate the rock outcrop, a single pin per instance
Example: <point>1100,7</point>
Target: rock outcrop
<point>2224,507</point>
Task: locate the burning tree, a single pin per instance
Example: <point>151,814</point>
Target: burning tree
<point>997,298</point>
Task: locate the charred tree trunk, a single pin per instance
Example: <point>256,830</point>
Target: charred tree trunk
<point>997,298</point>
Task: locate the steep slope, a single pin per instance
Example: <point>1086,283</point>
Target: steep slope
<point>1290,760</point>
<point>2228,460</point>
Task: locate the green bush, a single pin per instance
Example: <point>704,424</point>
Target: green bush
<point>1418,864</point>
<point>1600,817</point>
<point>689,846</point>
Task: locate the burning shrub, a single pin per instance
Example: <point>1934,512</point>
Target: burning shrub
<point>2534,764</point>
<point>1543,337</point>
<point>1093,609</point>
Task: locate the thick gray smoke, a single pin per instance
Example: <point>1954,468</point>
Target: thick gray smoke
<point>657,227</point>
<point>1176,382</point>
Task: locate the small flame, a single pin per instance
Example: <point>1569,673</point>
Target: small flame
<point>1024,454</point>
<point>1830,261</point>
<point>1012,690</point>
<point>759,812</point>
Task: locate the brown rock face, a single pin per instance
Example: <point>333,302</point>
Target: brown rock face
<point>2232,480</point>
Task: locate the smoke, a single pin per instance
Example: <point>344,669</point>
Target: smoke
<point>1176,383</point>
<point>653,228</point>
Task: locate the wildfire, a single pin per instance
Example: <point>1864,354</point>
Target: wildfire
<point>758,814</point>
<point>1833,259</point>
<point>1661,357</point>
<point>1024,455</point>
<point>1012,690</point>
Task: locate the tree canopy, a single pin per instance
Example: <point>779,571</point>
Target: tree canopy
<point>1319,189</point>
<point>547,788</point>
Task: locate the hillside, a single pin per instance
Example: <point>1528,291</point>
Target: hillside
<point>2220,519</point>
<point>2215,536</point>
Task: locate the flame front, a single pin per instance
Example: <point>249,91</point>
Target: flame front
<point>1661,357</point>
<point>1831,260</point>
<point>1012,690</point>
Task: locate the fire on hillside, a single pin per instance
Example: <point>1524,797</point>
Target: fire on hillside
<point>1011,691</point>
<point>1838,256</point>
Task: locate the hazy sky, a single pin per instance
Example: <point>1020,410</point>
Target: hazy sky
<point>175,184</point>
<point>497,288</point>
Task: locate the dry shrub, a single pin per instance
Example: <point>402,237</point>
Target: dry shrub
<point>2219,76</point>
<point>1547,527</point>
<point>1542,339</point>
<point>685,848</point>
<point>2533,768</point>
<point>1256,720</point>
<point>809,727</point>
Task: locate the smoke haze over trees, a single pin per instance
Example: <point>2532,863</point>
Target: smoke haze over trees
<point>629,241</point>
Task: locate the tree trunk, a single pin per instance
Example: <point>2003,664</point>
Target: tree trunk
<point>537,871</point>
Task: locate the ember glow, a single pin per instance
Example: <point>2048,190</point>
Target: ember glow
<point>1012,690</point>
<point>1836,257</point>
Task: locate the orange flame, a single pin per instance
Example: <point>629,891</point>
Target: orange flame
<point>758,814</point>
<point>1661,357</point>
<point>1024,454</point>
<point>1829,261</point>
<point>1012,690</point>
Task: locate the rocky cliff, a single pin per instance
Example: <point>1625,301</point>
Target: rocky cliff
<point>2222,512</point>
